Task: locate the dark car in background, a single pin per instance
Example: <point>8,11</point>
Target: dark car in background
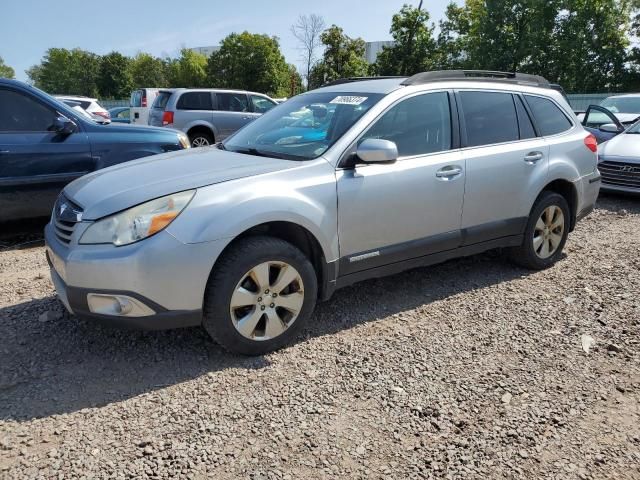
<point>45,144</point>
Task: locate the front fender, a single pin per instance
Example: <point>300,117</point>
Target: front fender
<point>304,195</point>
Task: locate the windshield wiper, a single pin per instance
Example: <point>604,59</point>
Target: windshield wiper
<point>260,153</point>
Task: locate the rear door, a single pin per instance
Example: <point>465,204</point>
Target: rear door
<point>507,164</point>
<point>135,104</point>
<point>35,162</point>
<point>193,108</point>
<point>232,113</point>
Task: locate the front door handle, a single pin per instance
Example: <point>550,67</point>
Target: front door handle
<point>449,172</point>
<point>533,157</point>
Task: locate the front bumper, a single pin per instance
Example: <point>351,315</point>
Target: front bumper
<point>161,273</point>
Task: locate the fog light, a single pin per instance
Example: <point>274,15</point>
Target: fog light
<point>119,305</point>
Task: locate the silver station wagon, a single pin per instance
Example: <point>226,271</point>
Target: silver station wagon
<point>359,179</point>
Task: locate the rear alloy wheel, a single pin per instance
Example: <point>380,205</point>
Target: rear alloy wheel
<point>200,140</point>
<point>259,295</point>
<point>546,233</point>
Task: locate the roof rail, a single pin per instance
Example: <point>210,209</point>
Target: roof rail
<point>340,81</point>
<point>477,75</point>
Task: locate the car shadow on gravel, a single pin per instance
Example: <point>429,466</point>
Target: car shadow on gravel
<point>60,364</point>
<point>619,202</point>
<point>22,234</point>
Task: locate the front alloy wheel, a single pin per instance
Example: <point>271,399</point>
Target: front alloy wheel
<point>267,300</point>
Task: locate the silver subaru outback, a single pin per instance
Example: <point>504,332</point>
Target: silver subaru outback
<point>359,179</point>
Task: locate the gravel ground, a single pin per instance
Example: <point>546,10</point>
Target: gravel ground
<point>471,369</point>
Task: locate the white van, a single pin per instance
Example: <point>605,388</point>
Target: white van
<point>140,104</point>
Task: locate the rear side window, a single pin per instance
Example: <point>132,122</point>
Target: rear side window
<point>232,102</point>
<point>136,98</point>
<point>524,122</point>
<point>20,113</point>
<point>195,101</point>
<point>161,100</point>
<point>489,118</point>
<point>549,118</point>
<point>418,125</point>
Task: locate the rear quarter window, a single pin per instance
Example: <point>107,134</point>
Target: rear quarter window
<point>195,101</point>
<point>550,120</point>
<point>161,100</point>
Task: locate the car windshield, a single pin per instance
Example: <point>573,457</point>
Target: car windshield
<point>304,127</point>
<point>622,104</point>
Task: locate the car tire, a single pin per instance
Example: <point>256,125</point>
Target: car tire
<point>546,233</point>
<point>249,308</point>
<point>200,139</point>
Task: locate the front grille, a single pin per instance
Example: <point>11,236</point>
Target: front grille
<point>620,174</point>
<point>66,215</point>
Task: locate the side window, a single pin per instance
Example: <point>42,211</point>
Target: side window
<point>418,125</point>
<point>232,102</point>
<point>261,104</point>
<point>489,118</point>
<point>524,122</point>
<point>19,113</point>
<point>195,101</point>
<point>549,118</point>
<point>124,114</point>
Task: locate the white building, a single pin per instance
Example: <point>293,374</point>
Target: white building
<point>372,49</point>
<point>206,51</point>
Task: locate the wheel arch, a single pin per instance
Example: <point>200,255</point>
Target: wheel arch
<point>570,193</point>
<point>201,128</point>
<point>301,238</point>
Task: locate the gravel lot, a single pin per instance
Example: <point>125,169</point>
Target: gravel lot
<point>472,369</point>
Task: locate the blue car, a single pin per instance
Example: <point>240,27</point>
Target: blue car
<point>45,144</point>
<point>120,114</point>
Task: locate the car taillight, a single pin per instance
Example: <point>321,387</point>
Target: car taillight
<point>143,102</point>
<point>591,142</point>
<point>106,115</point>
<point>167,118</point>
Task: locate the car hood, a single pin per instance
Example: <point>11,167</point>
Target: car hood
<point>132,128</point>
<point>128,184</point>
<point>625,145</point>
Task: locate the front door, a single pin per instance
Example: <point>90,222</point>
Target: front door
<point>395,212</point>
<point>35,162</point>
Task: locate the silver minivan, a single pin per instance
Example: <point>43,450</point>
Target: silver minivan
<point>356,180</point>
<point>207,116</point>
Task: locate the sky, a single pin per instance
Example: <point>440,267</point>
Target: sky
<point>29,27</point>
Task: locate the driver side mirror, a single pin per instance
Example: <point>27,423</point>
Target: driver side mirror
<point>63,125</point>
<point>610,128</point>
<point>377,150</point>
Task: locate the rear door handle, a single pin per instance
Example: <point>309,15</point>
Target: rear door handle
<point>533,157</point>
<point>449,172</point>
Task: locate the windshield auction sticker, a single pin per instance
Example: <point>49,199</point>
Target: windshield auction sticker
<point>348,100</point>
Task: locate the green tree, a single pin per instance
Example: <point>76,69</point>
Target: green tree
<point>295,81</point>
<point>71,72</point>
<point>5,70</point>
<point>414,48</point>
<point>343,57</point>
<point>148,71</point>
<point>115,79</point>
<point>251,62</point>
<point>190,70</point>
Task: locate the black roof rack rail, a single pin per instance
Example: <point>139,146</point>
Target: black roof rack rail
<point>340,81</point>
<point>476,75</point>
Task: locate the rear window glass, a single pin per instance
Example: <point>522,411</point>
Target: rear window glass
<point>161,100</point>
<point>489,118</point>
<point>136,99</point>
<point>195,101</point>
<point>549,118</point>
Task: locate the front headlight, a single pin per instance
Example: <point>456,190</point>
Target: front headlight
<point>138,222</point>
<point>184,140</point>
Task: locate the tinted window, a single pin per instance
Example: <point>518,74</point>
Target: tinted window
<point>232,102</point>
<point>549,118</point>
<point>261,104</point>
<point>20,113</point>
<point>489,118</point>
<point>136,98</point>
<point>195,101</point>
<point>524,122</point>
<point>418,125</point>
<point>161,100</point>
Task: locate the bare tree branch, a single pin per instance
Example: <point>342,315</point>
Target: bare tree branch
<point>307,30</point>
